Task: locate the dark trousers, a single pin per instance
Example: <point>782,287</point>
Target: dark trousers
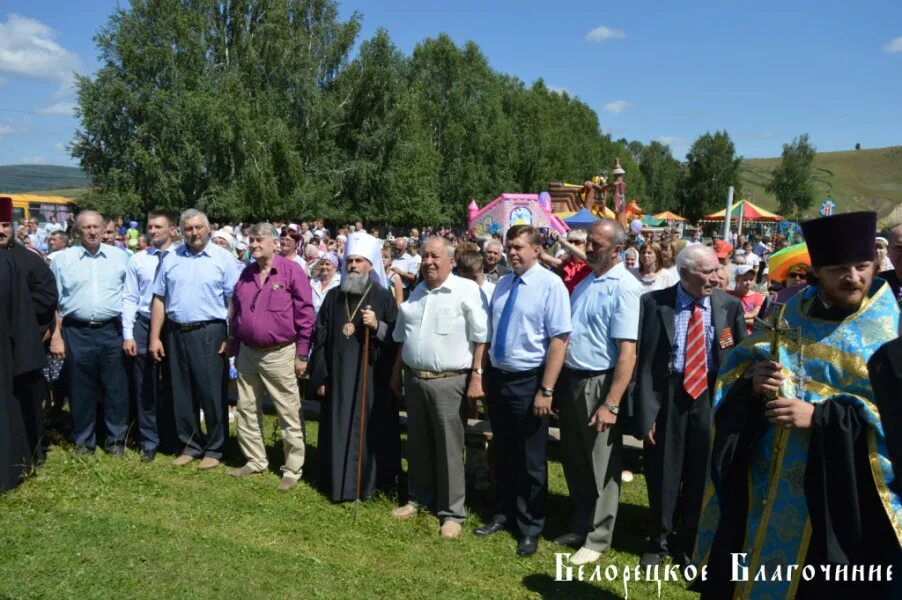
<point>675,468</point>
<point>520,438</point>
<point>199,374</point>
<point>32,391</point>
<point>96,370</point>
<point>146,378</point>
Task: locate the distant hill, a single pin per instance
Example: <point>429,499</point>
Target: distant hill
<point>35,178</point>
<point>857,180</point>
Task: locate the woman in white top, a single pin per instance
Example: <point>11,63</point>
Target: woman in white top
<point>328,278</point>
<point>650,272</point>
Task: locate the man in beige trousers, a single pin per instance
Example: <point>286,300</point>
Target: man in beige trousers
<point>272,323</point>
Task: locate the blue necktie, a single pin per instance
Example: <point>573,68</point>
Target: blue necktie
<point>504,321</point>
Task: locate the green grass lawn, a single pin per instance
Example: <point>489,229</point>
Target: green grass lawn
<point>92,527</point>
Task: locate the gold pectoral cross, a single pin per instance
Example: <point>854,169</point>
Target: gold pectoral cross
<point>779,330</point>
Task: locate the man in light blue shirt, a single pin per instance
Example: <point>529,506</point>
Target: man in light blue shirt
<point>137,298</point>
<point>601,357</point>
<point>529,321</point>
<point>89,278</point>
<point>193,290</point>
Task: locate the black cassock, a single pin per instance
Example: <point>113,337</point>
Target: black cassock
<point>18,354</point>
<point>31,388</point>
<point>337,363</point>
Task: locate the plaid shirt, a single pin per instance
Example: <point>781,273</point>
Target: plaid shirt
<point>681,327</point>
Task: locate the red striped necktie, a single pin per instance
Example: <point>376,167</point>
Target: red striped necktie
<point>695,370</point>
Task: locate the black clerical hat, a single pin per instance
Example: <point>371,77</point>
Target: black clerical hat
<point>6,209</point>
<point>841,239</point>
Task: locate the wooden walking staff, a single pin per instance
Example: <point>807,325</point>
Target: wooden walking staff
<point>362,422</point>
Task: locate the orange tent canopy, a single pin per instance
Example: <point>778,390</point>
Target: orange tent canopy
<point>669,216</point>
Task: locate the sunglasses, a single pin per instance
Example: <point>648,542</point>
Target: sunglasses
<point>796,275</point>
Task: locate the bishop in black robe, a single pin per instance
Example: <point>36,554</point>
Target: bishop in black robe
<point>18,354</point>
<point>337,364</point>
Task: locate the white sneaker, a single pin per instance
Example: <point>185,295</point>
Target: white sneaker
<point>584,556</point>
<point>404,512</point>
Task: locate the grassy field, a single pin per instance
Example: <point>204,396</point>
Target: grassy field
<point>857,180</point>
<point>104,527</point>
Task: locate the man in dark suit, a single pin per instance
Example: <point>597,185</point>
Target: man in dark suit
<point>685,334</point>
<point>885,370</point>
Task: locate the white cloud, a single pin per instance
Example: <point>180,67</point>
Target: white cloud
<point>603,33</point>
<point>894,46</point>
<point>60,146</point>
<point>617,106</point>
<point>5,130</point>
<point>60,108</point>
<point>27,48</point>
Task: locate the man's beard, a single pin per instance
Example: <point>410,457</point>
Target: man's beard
<point>354,283</point>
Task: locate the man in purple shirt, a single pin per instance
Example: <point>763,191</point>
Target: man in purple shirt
<point>272,322</point>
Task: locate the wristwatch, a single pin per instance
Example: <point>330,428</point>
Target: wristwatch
<point>478,370</point>
<point>614,409</point>
<point>547,392</point>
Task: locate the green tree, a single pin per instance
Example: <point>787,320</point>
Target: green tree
<point>712,166</point>
<point>230,106</point>
<point>792,181</point>
<point>663,178</point>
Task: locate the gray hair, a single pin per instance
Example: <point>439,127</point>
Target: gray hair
<point>61,234</point>
<point>690,256</point>
<point>264,229</point>
<point>633,252</point>
<point>89,213</point>
<point>576,235</point>
<point>192,213</point>
<point>618,235</point>
<point>449,247</point>
<point>492,242</point>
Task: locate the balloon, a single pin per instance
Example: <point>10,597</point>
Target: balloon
<point>545,200</point>
<point>636,226</point>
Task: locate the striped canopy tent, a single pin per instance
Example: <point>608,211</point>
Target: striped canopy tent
<point>669,216</point>
<point>750,213</point>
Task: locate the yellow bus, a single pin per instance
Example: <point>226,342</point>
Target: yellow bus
<point>27,206</point>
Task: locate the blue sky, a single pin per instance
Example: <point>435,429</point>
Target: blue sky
<point>764,71</point>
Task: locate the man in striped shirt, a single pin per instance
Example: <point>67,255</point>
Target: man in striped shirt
<point>685,333</point>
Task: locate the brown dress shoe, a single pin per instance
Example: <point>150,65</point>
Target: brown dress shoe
<point>208,463</point>
<point>287,483</point>
<point>244,471</point>
<point>182,460</point>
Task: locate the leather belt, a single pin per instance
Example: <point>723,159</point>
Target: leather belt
<point>586,373</point>
<point>142,318</point>
<point>269,348</point>
<point>73,322</point>
<point>437,374</point>
<point>185,327</point>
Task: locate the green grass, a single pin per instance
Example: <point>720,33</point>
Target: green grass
<point>868,179</point>
<point>92,527</point>
<point>75,193</point>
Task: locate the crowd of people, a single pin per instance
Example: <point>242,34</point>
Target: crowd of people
<point>742,365</point>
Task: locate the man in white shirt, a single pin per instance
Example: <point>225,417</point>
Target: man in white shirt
<point>403,264</point>
<point>442,329</point>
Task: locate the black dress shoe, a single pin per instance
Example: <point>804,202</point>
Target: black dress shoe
<point>650,559</point>
<point>527,546</point>
<point>488,529</point>
<point>574,540</point>
<point>148,455</point>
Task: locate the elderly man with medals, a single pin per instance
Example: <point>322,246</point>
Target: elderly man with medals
<point>800,483</point>
<point>352,359</point>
